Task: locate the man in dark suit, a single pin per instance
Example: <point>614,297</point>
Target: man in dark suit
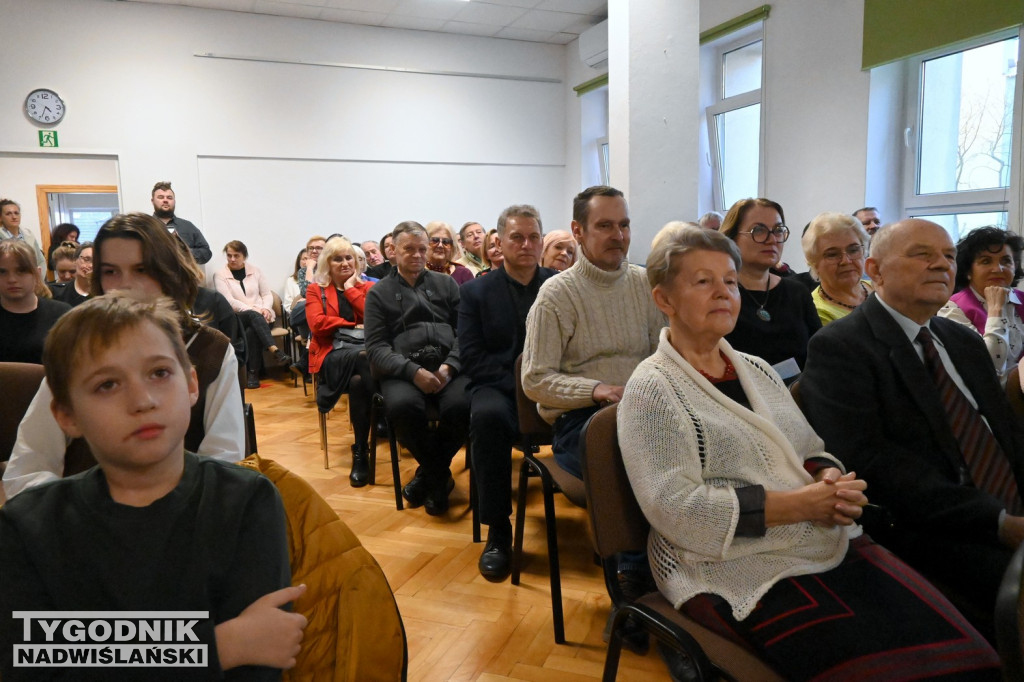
<point>492,329</point>
<point>874,390</point>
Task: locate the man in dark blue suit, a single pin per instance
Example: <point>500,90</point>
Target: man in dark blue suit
<point>492,330</point>
<point>880,392</point>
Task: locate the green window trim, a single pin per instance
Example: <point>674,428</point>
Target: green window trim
<point>733,25</point>
<point>591,85</point>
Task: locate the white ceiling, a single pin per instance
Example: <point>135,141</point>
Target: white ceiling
<point>542,21</point>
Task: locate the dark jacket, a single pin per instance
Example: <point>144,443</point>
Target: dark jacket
<point>193,238</point>
<point>489,339</point>
<point>401,319</point>
<point>867,393</point>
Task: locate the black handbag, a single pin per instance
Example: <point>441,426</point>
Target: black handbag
<point>345,336</point>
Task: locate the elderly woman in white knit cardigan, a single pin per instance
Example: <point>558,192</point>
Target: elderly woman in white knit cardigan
<point>752,524</point>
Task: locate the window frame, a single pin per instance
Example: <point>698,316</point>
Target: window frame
<point>724,105</point>
<point>1006,199</point>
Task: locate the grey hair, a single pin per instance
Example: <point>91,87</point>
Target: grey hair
<point>703,220</point>
<point>440,224</point>
<point>678,238</point>
<point>825,224</point>
<point>518,211</point>
<point>407,227</point>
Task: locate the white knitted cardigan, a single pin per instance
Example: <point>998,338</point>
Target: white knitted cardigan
<point>586,327</point>
<point>686,447</point>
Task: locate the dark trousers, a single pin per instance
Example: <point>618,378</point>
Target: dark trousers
<point>493,425</point>
<point>257,337</point>
<point>410,411</point>
<point>565,444</point>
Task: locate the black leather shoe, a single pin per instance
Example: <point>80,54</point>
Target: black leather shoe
<point>496,561</point>
<point>252,378</point>
<point>437,499</point>
<point>415,491</point>
<point>360,474</point>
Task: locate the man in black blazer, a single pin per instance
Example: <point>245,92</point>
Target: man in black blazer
<point>492,330</point>
<point>868,392</point>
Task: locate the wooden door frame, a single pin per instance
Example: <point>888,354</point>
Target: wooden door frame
<point>43,207</point>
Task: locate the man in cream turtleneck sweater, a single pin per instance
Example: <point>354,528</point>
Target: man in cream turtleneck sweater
<point>590,326</point>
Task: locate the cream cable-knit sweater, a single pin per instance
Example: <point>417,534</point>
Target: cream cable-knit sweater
<point>587,326</point>
<point>686,446</point>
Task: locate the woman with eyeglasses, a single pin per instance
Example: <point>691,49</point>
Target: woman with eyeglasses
<point>777,316</point>
<point>444,249</point>
<point>835,246</point>
<point>988,267</point>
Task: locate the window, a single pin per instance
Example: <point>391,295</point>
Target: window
<point>963,111</point>
<point>734,120</point>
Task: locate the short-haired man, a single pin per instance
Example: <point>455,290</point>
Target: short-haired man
<point>471,239</point>
<point>371,250</point>
<point>381,270</point>
<point>911,402</point>
<point>163,208</point>
<point>712,220</point>
<point>492,331</point>
<point>590,326</point>
<point>868,217</point>
<point>410,319</point>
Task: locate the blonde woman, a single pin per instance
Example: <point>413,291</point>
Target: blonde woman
<point>27,310</point>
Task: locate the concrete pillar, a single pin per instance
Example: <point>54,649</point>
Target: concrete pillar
<point>654,112</point>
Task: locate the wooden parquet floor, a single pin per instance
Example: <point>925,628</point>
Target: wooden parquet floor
<point>459,626</point>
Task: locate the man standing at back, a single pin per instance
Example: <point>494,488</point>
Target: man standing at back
<point>163,208</point>
<point>911,402</point>
<point>590,326</point>
<point>492,330</point>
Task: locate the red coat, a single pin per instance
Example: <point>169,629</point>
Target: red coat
<point>323,323</point>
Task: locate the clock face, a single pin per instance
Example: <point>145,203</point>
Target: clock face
<point>44,106</point>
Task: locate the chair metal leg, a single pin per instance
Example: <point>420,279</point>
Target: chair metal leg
<point>611,661</point>
<point>322,418</point>
<point>553,567</point>
<point>517,545</point>
<point>395,474</point>
<point>375,407</point>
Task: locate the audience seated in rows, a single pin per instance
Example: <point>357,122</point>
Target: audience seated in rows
<point>65,234</point>
<point>250,296</point>
<point>76,291</point>
<point>444,253</point>
<point>471,243</point>
<point>372,251</point>
<point>411,317</point>
<point>493,256</point>
<point>750,517</point>
<point>297,319</point>
<point>386,246</point>
<point>27,308</point>
<point>134,252</point>
<point>559,250</point>
<point>835,246</point>
<point>912,403</point>
<point>290,290</point>
<point>335,304</point>
<point>777,316</point>
<point>868,217</point>
<point>63,262</point>
<point>492,331</point>
<point>988,267</point>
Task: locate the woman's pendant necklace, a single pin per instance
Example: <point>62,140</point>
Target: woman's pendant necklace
<point>761,313</point>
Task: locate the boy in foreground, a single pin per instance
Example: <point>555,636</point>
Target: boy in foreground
<point>152,528</point>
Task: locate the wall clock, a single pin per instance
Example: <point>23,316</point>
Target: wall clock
<point>44,105</point>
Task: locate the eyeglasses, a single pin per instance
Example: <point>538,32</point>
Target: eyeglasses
<point>440,240</point>
<point>315,249</point>
<point>759,233</point>
<point>854,252</point>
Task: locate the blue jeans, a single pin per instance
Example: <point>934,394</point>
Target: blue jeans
<point>566,442</point>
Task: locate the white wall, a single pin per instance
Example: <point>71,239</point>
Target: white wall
<point>135,90</point>
<point>814,107</point>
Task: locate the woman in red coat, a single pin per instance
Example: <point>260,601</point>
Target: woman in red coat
<point>334,311</point>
